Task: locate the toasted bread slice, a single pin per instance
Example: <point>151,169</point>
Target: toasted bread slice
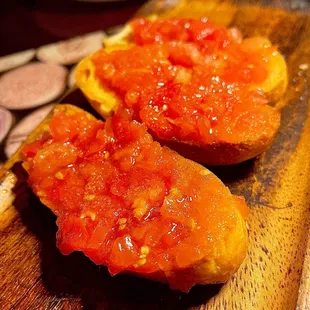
<point>221,152</point>
<point>214,241</point>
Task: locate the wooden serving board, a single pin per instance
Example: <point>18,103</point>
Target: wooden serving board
<point>275,274</point>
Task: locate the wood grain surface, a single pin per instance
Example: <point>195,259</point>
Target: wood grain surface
<point>34,275</point>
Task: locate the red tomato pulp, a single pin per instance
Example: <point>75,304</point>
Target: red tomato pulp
<point>125,201</point>
<point>190,80</point>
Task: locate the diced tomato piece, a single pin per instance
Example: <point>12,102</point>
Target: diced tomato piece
<point>30,150</point>
<point>124,253</point>
<point>63,128</point>
<point>72,234</point>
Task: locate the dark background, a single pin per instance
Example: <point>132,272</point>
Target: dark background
<point>30,23</point>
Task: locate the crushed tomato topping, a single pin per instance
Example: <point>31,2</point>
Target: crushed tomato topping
<point>125,201</point>
<point>190,80</point>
